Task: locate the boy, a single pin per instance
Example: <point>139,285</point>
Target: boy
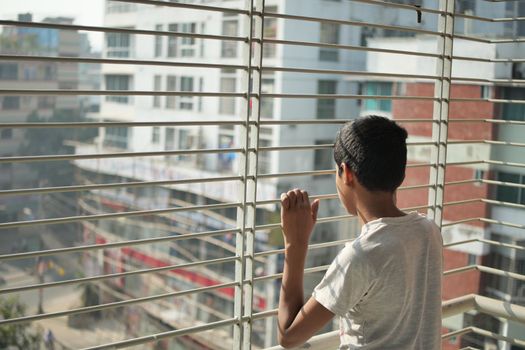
<point>385,286</point>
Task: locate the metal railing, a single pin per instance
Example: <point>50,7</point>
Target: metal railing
<point>247,178</point>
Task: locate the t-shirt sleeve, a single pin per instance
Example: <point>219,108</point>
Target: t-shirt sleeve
<point>346,281</point>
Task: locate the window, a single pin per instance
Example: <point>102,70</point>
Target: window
<point>266,131</point>
<point>158,41</point>
<point>512,111</point>
<point>323,158</point>
<point>507,193</point>
<point>270,32</point>
<point>485,91</point>
<point>6,134</point>
<point>201,89</point>
<point>472,259</point>
<point>378,88</point>
<point>119,7</point>
<point>117,82</point>
<point>185,141</point>
<point>187,46</point>
<point>46,102</point>
<point>520,268</point>
<point>182,46</point>
<point>172,40</point>
<point>326,107</point>
<point>116,137</point>
<point>155,135</point>
<point>478,175</point>
<point>267,85</point>
<point>466,5</point>
<point>49,73</point>
<point>157,86</point>
<point>8,71</point>
<point>170,139</point>
<point>225,159</point>
<point>229,28</point>
<point>186,85</point>
<point>329,35</point>
<point>30,73</point>
<point>182,84</point>
<point>118,45</point>
<point>264,162</point>
<point>171,85</point>
<point>227,104</point>
<point>203,30</point>
<point>11,102</point>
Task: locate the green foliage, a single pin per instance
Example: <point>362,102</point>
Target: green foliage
<point>18,336</point>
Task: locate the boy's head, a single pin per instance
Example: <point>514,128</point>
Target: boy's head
<point>374,150</point>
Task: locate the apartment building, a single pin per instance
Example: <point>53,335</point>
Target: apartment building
<point>200,108</point>
<point>475,86</point>
<point>31,74</point>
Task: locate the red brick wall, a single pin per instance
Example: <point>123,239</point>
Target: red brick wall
<point>459,284</point>
<point>410,109</point>
<point>414,197</point>
<point>467,282</point>
<point>449,344</point>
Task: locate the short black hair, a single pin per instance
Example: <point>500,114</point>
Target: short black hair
<point>375,149</point>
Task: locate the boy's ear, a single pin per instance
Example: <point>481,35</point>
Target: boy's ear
<point>348,176</point>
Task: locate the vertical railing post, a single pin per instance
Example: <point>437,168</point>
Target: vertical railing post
<point>249,136</point>
<point>440,111</point>
<point>257,15</point>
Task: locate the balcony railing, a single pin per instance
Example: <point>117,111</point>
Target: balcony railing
<point>249,303</point>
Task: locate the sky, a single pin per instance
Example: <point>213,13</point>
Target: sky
<point>85,12</point>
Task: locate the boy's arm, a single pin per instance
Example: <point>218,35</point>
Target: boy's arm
<point>297,321</point>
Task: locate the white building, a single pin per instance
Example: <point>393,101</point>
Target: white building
<point>196,108</point>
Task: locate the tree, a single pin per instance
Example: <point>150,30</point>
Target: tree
<point>16,336</point>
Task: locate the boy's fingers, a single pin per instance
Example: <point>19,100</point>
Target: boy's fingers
<point>315,208</point>
<point>292,198</point>
<point>306,200</point>
<point>285,201</point>
<point>299,196</point>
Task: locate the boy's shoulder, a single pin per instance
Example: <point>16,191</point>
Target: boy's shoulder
<point>383,235</point>
<point>413,221</point>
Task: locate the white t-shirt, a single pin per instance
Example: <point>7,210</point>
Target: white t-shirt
<point>386,286</point>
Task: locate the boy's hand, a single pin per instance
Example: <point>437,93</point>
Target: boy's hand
<point>298,217</point>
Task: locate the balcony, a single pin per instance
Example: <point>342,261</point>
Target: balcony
<point>116,244</point>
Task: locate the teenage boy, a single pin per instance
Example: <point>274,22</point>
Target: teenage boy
<point>385,286</point>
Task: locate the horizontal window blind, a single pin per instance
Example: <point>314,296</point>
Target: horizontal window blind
<point>227,250</point>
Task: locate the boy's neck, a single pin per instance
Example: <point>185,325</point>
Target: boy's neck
<point>375,205</point>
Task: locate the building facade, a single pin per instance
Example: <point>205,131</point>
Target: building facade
<point>479,163</point>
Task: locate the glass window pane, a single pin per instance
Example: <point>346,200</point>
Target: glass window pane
<point>507,193</point>
<point>326,107</point>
